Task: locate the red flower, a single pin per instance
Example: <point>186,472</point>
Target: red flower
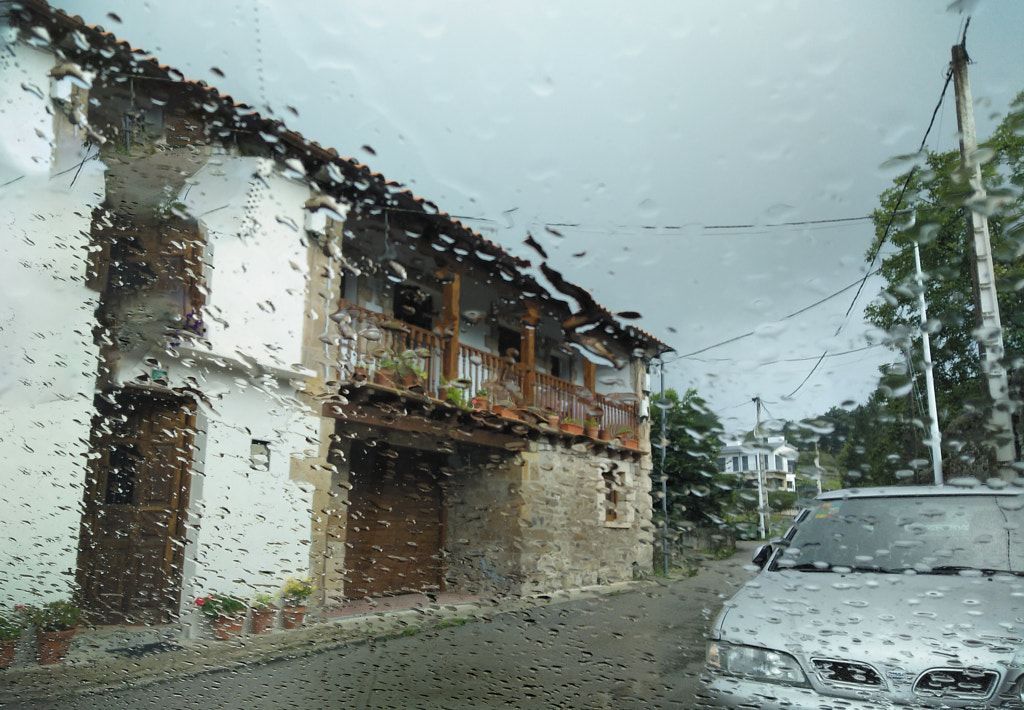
<point>20,607</point>
<point>201,600</point>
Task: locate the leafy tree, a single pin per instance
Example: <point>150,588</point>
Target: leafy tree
<point>782,500</point>
<point>931,210</point>
<point>697,494</point>
<point>874,446</point>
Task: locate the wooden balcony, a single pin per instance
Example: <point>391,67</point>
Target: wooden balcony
<point>375,341</point>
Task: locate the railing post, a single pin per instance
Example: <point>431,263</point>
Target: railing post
<point>450,326</point>
<point>527,343</point>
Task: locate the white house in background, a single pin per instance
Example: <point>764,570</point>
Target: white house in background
<point>776,459</point>
<point>193,296</point>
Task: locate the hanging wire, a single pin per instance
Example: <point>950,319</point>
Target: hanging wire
<point>892,217</point>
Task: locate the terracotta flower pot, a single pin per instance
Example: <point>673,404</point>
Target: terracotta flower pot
<point>383,378</point>
<point>228,627</point>
<point>262,620</point>
<point>631,444</point>
<point>359,374</point>
<point>570,428</point>
<point>591,431</point>
<point>292,616</point>
<point>53,646</point>
<point>552,420</point>
<point>7,651</point>
<point>410,380</point>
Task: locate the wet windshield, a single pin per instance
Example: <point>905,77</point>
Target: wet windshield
<point>498,334</point>
<point>938,534</point>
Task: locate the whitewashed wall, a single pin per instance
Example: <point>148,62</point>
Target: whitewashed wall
<point>251,528</point>
<point>47,357</point>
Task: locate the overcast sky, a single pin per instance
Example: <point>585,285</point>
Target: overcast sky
<point>649,126</point>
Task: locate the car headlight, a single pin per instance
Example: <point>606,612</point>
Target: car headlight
<point>752,662</point>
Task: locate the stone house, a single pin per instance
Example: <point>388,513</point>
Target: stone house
<point>238,357</point>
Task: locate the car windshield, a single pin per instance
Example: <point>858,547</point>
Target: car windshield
<point>928,534</point>
<point>489,332</point>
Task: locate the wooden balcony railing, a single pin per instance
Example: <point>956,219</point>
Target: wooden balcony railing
<point>370,338</point>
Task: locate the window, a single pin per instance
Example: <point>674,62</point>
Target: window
<point>414,306</point>
<point>509,344</point>
<point>611,496</point>
<point>259,455</point>
<point>555,366</point>
<point>121,475</point>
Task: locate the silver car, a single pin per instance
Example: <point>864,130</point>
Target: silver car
<point>881,597</point>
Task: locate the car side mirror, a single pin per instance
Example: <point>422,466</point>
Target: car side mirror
<point>763,554</point>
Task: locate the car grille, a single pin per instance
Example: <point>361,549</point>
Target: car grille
<point>957,682</point>
<point>847,672</point>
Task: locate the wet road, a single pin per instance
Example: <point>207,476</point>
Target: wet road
<point>632,650</point>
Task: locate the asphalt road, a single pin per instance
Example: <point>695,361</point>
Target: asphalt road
<point>633,650</point>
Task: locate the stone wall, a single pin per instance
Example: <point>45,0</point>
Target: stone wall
<point>534,521</point>
<point>537,522</point>
<point>568,539</point>
<point>482,503</point>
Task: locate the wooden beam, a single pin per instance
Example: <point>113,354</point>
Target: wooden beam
<point>441,429</point>
<point>527,352</point>
<point>590,376</point>
<point>450,325</point>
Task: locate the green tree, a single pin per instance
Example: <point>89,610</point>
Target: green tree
<point>876,443</point>
<point>931,211</point>
<point>696,493</point>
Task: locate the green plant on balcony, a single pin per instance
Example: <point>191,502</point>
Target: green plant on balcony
<point>408,369</point>
<point>481,400</point>
<point>627,437</point>
<point>572,425</point>
<point>455,396</point>
<point>384,372</point>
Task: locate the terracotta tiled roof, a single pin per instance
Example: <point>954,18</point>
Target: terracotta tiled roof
<point>93,44</point>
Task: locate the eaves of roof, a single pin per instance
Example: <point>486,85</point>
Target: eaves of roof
<point>91,42</point>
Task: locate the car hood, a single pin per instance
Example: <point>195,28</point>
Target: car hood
<point>897,621</point>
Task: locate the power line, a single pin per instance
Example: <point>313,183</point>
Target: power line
<point>681,227</point>
<point>794,359</point>
<point>892,217</point>
<point>786,317</point>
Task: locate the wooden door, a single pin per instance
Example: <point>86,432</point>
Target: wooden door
<point>132,541</point>
<point>395,522</point>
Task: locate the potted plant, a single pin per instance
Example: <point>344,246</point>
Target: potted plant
<point>481,400</point>
<point>384,373</point>
<point>360,372</point>
<point>504,409</point>
<point>55,623</point>
<point>295,596</point>
<point>455,397</point>
<point>409,371</point>
<point>627,438</point>
<point>590,428</point>
<point>572,425</point>
<point>11,629</point>
<point>225,611</point>
<point>263,612</point>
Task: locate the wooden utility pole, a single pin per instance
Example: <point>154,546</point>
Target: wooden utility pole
<point>990,338</point>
